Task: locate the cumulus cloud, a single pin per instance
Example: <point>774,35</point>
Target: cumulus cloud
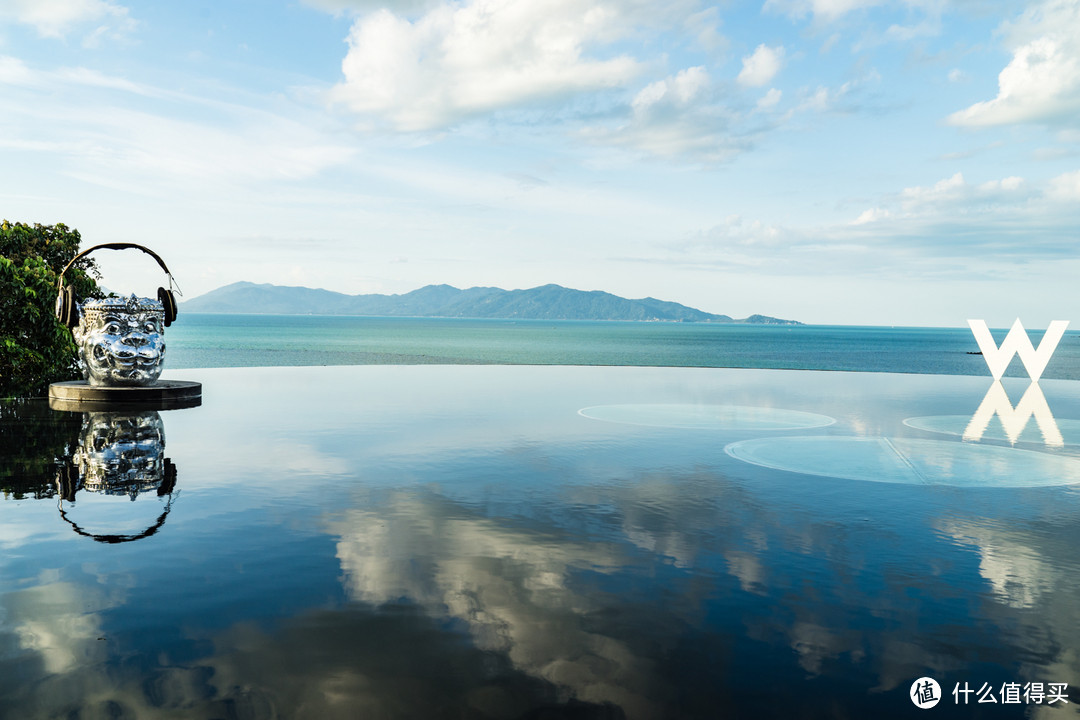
<point>1041,83</point>
<point>57,18</point>
<point>761,67</point>
<point>457,62</point>
<point>678,116</point>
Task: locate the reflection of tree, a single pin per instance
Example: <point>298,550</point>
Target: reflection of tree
<point>45,453</point>
<point>33,441</point>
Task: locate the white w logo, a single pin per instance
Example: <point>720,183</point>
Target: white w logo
<point>1017,343</point>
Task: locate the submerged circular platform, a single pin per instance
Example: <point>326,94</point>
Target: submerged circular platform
<point>78,395</point>
<point>707,417</point>
<point>1065,431</point>
<point>909,462</point>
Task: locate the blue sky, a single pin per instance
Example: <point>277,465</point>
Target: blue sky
<point>832,161</point>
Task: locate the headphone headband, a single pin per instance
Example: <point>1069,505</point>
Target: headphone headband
<point>115,246</point>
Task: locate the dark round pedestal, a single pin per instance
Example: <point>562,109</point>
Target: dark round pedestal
<point>80,396</point>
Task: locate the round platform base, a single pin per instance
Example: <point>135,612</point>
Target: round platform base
<point>80,396</point>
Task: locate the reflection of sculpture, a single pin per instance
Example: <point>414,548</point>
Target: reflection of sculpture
<point>120,341</point>
<point>119,454</point>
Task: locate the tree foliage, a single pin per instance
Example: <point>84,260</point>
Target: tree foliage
<point>35,349</point>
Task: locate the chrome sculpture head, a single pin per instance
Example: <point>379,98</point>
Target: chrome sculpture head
<point>121,341</point>
<point>121,453</point>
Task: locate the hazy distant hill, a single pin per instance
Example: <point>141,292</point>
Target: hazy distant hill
<point>548,302</point>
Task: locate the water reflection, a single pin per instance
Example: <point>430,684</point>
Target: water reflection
<point>117,454</point>
<point>87,462</point>
<point>510,586</point>
<point>1014,423</point>
<point>510,559</point>
<point>1014,420</point>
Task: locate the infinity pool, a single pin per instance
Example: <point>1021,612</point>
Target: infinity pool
<point>545,542</point>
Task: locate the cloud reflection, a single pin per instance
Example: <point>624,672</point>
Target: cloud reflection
<point>511,586</point>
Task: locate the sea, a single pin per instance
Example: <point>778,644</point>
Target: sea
<point>227,340</point>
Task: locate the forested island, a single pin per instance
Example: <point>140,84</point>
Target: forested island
<point>547,302</point>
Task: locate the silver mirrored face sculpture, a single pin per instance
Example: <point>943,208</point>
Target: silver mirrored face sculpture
<point>121,341</point>
<point>121,453</point>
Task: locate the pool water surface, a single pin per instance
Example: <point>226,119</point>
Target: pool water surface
<point>532,542</point>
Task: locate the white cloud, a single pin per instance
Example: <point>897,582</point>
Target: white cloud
<point>122,138</point>
<point>705,26</point>
<point>943,190</point>
<point>404,7</point>
<point>761,67</point>
<point>1041,84</point>
<point>738,242</point>
<point>57,18</point>
<point>950,229</point>
<point>819,101</point>
<point>769,99</point>
<point>14,71</point>
<point>678,91</point>
<point>457,62</point>
<point>872,215</point>
<point>1066,187</point>
<point>1002,220</point>
<point>954,195</point>
<point>678,116</point>
<point>952,199</point>
<point>824,9</point>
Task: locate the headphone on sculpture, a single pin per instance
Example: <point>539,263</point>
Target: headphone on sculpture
<point>67,484</point>
<point>67,307</point>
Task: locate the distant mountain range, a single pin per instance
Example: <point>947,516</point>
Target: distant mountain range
<point>548,302</point>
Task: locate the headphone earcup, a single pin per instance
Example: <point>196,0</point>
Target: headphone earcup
<point>168,302</point>
<point>168,480</point>
<point>70,310</point>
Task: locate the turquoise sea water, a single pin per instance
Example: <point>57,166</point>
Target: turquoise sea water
<point>203,340</point>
